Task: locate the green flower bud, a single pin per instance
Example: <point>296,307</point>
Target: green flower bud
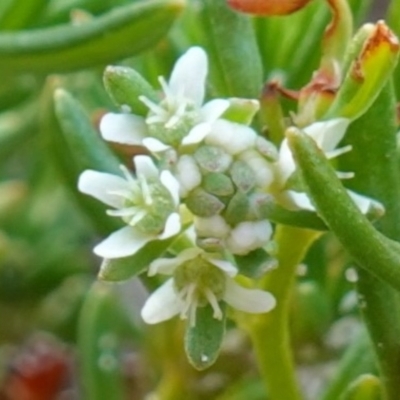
<point>243,176</point>
<point>238,209</point>
<point>124,85</point>
<point>218,184</point>
<point>212,159</point>
<point>203,204</point>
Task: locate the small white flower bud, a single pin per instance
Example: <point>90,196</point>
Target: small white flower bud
<point>248,236</point>
<point>214,226</point>
<point>232,137</point>
<point>188,174</point>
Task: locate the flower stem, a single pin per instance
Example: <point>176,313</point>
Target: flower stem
<point>269,332</point>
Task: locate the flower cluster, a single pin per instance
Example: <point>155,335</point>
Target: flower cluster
<point>208,166</point>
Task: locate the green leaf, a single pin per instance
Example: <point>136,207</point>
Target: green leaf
<point>99,329</point>
<point>393,19</point>
<point>358,359</point>
<point>120,269</point>
<point>20,13</point>
<point>372,251</point>
<point>236,68</point>
<point>87,148</point>
<point>74,145</point>
<point>266,207</point>
<point>310,313</point>
<point>203,341</point>
<point>121,33</point>
<point>373,159</point>
<point>366,387</point>
<point>367,75</point>
<point>125,85</point>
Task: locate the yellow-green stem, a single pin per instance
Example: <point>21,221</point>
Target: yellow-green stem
<point>270,332</point>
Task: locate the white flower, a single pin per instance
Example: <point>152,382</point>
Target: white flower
<point>327,135</point>
<point>147,204</point>
<point>200,278</point>
<point>179,119</point>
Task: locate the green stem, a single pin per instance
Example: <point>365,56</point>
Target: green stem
<point>270,332</point>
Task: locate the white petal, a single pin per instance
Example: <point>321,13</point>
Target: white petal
<point>213,110</point>
<point>327,134</point>
<point>172,184</point>
<point>300,200</point>
<point>101,186</point>
<point>172,226</point>
<point>154,145</point>
<point>232,137</point>
<point>123,128</point>
<point>122,243</point>
<point>286,165</point>
<point>168,265</point>
<point>248,300</point>
<point>197,134</point>
<point>188,174</point>
<point>189,75</point>
<point>224,266</point>
<point>364,203</point>
<point>165,266</point>
<point>144,166</point>
<point>162,304</point>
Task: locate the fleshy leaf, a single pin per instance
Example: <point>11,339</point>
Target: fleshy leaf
<point>368,74</point>
<point>120,33</point>
<point>99,330</point>
<point>236,69</point>
<point>371,250</point>
<point>125,85</point>
<point>203,341</point>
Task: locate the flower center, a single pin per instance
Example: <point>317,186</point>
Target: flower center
<point>198,282</point>
<point>146,205</point>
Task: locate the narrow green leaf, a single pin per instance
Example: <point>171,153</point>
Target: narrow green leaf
<point>358,359</point>
<point>373,159</point>
<point>87,148</point>
<point>73,146</point>
<point>368,74</point>
<point>20,13</point>
<point>122,32</point>
<point>236,68</point>
<point>98,334</point>
<point>373,251</point>
<point>393,19</point>
<point>366,387</point>
<point>203,341</point>
<point>310,313</point>
<point>268,208</point>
